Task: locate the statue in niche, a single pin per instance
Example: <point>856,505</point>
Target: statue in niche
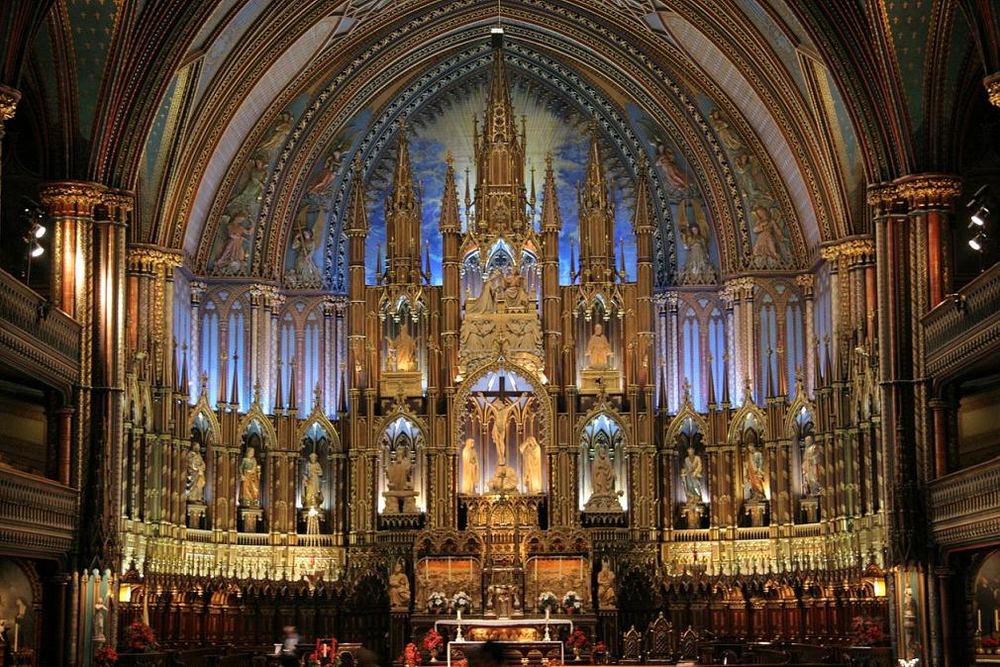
<point>598,350</point>
<point>607,597</point>
<point>500,412</point>
<point>398,471</point>
<point>399,587</point>
<point>196,476</point>
<point>100,614</point>
<point>484,304</point>
<point>754,469</point>
<point>470,467</point>
<point>692,473</point>
<point>767,245</point>
<point>531,461</point>
<point>604,497</point>
<point>249,479</point>
<point>603,473</point>
<point>810,467</point>
<point>312,492</point>
<point>403,351</point>
<point>514,294</point>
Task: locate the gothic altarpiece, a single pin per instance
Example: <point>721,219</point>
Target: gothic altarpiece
<point>502,435</point>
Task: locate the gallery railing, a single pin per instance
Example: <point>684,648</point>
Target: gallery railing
<point>26,314</point>
<point>36,514</point>
<point>965,326</point>
<point>965,505</point>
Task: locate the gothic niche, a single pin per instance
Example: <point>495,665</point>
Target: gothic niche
<point>693,476</point>
<point>250,479</point>
<point>316,489</point>
<point>810,460</point>
<point>602,468</point>
<point>501,451</point>
<point>404,330</point>
<point>754,470</point>
<point>401,487</point>
<point>599,354</point>
<point>196,488</point>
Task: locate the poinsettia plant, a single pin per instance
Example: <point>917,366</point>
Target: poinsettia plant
<point>577,639</point>
<point>431,644</point>
<point>411,656</point>
<point>989,642</point>
<point>139,637</point>
<point>600,647</point>
<point>867,631</point>
<point>105,657</point>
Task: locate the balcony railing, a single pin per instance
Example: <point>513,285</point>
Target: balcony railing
<point>36,514</point>
<point>964,327</point>
<point>965,505</point>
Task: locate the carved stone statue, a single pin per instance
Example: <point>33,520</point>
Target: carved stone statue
<point>531,462</point>
<point>399,480</point>
<point>692,473</point>
<point>514,294</point>
<point>607,597</point>
<point>484,303</point>
<point>398,471</point>
<point>604,497</point>
<point>312,491</point>
<point>196,476</point>
<point>405,348</point>
<point>399,588</point>
<point>100,612</point>
<point>500,412</point>
<point>249,480</point>
<point>754,470</point>
<point>470,467</point>
<point>598,350</point>
<point>810,467</point>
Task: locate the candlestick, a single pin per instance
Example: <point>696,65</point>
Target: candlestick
<point>979,620</point>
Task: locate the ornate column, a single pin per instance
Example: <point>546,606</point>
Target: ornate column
<point>806,283</point>
<point>673,353</point>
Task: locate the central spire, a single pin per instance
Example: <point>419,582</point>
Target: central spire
<point>501,198</point>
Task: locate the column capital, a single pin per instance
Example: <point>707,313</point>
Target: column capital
<point>929,190</point>
<point>883,196</point>
<point>9,97</point>
<point>992,85</point>
<point>71,198</point>
<point>118,202</point>
<point>738,288</point>
<point>144,258</point>
<point>851,251</point>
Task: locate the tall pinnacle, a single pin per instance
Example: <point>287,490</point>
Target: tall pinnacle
<point>551,216</point>
<point>449,202</point>
<point>499,125</point>
<point>402,216</point>
<point>597,219</point>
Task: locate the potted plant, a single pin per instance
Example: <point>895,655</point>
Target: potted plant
<point>461,602</point>
<point>437,602</point>
<point>571,603</point>
<point>411,656</point>
<point>867,631</point>
<point>432,643</point>
<point>548,602</point>
<point>139,637</point>
<point>105,657</point>
<point>577,641</point>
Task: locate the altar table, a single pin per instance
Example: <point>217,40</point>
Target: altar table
<point>521,648</point>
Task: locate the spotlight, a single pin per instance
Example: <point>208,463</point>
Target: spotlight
<point>980,217</point>
<point>38,230</point>
<point>977,242</point>
<point>36,249</point>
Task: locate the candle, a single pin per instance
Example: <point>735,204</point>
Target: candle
<point>996,620</point>
<point>979,621</point>
<point>459,610</point>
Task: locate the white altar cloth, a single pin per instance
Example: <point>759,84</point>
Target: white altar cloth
<point>462,644</point>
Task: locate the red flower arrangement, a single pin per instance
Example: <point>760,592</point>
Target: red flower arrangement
<point>989,642</point>
<point>577,639</point>
<point>867,631</point>
<point>431,644</point>
<point>411,656</point>
<point>106,657</point>
<point>600,647</point>
<point>139,637</point>
<point>325,653</point>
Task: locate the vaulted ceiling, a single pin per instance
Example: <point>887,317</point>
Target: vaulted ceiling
<point>192,104</point>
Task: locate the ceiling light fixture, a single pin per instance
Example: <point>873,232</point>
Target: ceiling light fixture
<point>977,242</point>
